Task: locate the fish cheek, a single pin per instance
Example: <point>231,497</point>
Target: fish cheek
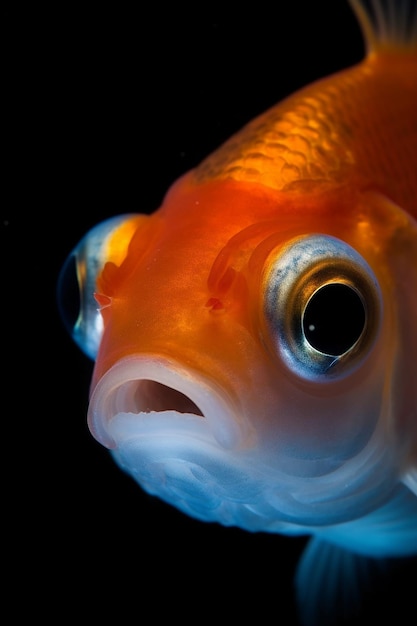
<point>403,261</point>
<point>314,430</point>
<point>390,233</point>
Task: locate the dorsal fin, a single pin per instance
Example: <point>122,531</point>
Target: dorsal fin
<point>388,25</point>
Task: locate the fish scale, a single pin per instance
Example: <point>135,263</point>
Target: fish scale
<point>337,123</point>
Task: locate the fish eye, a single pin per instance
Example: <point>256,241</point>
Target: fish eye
<point>322,306</point>
<point>77,284</point>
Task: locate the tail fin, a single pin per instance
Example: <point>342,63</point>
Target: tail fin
<point>388,25</point>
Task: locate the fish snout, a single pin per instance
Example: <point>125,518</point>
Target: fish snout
<point>150,396</point>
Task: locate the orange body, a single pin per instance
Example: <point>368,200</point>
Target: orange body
<point>338,157</point>
<point>256,341</point>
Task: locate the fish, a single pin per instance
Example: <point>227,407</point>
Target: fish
<point>254,338</point>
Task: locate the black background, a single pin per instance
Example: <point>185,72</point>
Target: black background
<point>106,108</point>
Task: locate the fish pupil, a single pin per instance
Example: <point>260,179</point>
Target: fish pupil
<point>334,319</point>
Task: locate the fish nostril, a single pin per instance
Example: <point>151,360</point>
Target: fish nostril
<point>153,396</point>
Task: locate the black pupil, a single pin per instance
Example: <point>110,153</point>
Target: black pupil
<point>334,319</point>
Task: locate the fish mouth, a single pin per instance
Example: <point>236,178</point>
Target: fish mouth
<point>144,395</point>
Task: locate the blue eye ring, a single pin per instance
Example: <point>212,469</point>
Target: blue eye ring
<point>308,268</point>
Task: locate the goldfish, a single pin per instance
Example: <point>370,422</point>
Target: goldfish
<point>254,338</point>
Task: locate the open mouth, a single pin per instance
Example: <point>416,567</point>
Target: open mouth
<point>154,394</point>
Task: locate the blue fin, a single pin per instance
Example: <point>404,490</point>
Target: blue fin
<point>335,586</point>
<point>328,582</point>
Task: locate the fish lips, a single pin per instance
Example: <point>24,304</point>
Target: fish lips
<point>149,396</point>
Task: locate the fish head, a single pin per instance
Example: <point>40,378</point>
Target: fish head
<point>253,362</point>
